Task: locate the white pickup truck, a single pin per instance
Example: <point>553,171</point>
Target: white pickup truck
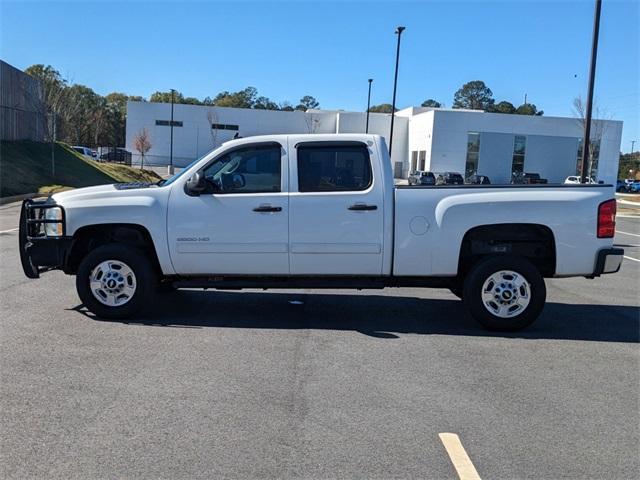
<point>319,211</point>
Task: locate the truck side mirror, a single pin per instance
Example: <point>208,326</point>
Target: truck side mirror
<point>195,185</point>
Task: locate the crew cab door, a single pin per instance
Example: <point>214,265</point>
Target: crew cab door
<point>240,225</point>
<point>336,209</point>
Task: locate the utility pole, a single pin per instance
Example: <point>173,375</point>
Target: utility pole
<point>592,76</point>
<point>171,171</point>
<point>368,105</point>
<point>399,31</point>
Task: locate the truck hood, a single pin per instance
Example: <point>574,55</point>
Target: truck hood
<point>86,193</point>
<point>99,192</point>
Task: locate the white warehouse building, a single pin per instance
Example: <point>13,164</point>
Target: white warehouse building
<point>437,140</point>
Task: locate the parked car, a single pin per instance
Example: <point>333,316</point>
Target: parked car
<point>86,151</point>
<point>527,179</point>
<point>422,178</point>
<point>449,178</point>
<point>117,155</point>
<point>573,179</point>
<point>318,211</point>
<point>479,180</point>
<point>622,186</point>
<point>634,187</point>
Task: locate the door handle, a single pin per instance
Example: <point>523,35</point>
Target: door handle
<point>362,207</point>
<point>267,208</point>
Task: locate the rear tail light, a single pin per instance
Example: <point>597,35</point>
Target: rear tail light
<point>607,219</point>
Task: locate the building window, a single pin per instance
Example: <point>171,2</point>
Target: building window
<point>414,160</point>
<point>423,159</point>
<point>473,154</point>
<point>519,152</point>
<point>223,126</point>
<point>167,123</point>
<point>592,165</point>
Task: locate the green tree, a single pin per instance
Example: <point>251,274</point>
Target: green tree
<point>54,92</point>
<point>116,117</point>
<point>242,99</point>
<point>191,101</point>
<point>307,102</point>
<point>286,106</point>
<point>474,95</point>
<point>431,103</point>
<point>165,97</point>
<point>83,109</point>
<point>629,166</point>
<point>382,108</point>
<point>528,109</point>
<point>504,107</point>
<point>263,103</point>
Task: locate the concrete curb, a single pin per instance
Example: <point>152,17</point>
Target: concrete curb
<point>17,198</point>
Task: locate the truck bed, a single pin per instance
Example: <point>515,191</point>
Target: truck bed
<point>432,221</point>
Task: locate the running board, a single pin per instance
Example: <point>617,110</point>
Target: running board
<point>317,282</point>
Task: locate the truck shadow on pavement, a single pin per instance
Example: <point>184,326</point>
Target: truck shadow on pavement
<point>380,316</point>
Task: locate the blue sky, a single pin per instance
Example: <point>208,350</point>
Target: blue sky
<point>329,49</point>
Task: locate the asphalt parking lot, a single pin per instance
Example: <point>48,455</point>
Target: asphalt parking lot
<point>318,384</point>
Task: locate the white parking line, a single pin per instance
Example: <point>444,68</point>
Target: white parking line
<point>631,258</point>
<point>459,458</point>
<point>627,233</point>
<point>7,231</point>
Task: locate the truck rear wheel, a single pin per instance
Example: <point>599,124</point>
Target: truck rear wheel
<point>504,293</point>
<point>115,281</point>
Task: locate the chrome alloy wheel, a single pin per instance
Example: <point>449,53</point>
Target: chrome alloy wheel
<point>112,283</point>
<point>506,294</point>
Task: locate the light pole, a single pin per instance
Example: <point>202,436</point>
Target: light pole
<point>592,77</point>
<point>399,31</point>
<point>366,130</point>
<point>171,140</point>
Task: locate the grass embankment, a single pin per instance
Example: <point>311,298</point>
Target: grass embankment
<point>25,167</point>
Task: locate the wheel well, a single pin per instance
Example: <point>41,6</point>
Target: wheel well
<point>532,241</point>
<point>90,237</point>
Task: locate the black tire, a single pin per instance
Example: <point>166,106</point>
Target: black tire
<point>132,257</point>
<point>473,293</point>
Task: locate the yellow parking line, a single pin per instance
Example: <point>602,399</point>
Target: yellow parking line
<point>459,458</point>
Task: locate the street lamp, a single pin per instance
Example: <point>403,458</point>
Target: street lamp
<point>592,76</point>
<point>399,31</point>
<point>368,105</point>
<point>171,170</point>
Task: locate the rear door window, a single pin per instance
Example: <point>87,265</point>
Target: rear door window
<point>334,168</point>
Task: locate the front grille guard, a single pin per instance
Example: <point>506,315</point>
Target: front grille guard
<point>35,221</point>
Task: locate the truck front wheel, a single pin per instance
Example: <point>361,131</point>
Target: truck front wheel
<point>115,281</point>
<point>504,293</point>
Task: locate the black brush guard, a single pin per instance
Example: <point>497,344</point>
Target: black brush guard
<point>38,251</point>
